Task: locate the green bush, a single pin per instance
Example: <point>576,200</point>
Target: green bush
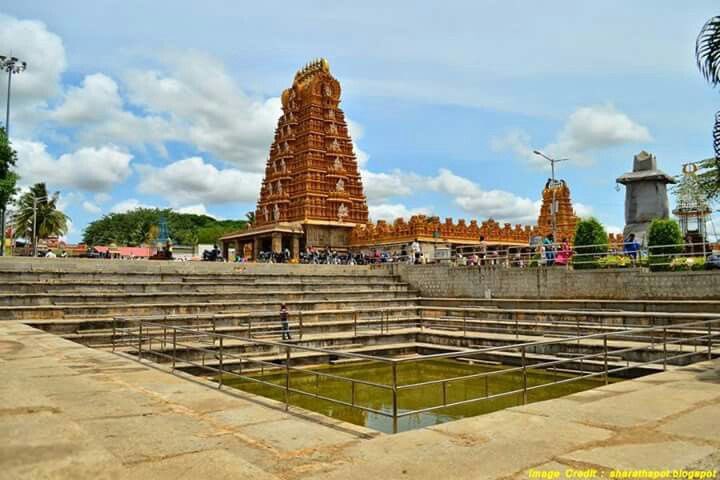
<point>663,232</point>
<point>687,263</point>
<point>589,232</point>
<point>614,261</point>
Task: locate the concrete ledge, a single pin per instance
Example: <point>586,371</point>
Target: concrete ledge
<point>71,412</point>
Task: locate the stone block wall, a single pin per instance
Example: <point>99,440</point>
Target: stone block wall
<point>449,281</point>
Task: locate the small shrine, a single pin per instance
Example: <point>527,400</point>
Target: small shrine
<point>556,213</point>
<point>645,195</point>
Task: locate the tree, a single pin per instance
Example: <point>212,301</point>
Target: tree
<point>591,241</point>
<point>664,241</point>
<point>707,53</point>
<point>8,181</point>
<point>140,226</point>
<point>38,207</point>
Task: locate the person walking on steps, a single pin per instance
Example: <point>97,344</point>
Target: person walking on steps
<point>284,322</point>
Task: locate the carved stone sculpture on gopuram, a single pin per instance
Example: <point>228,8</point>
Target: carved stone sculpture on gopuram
<point>312,174</point>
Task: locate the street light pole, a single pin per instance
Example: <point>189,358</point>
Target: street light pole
<point>12,65</point>
<point>553,210</point>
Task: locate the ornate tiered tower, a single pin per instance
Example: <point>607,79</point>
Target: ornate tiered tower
<point>312,172</point>
<point>556,197</point>
<point>312,186</point>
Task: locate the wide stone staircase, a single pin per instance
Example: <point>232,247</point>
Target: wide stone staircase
<point>335,308</point>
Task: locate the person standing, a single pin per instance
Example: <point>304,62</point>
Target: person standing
<point>415,247</point>
<point>284,324</point>
<point>631,248</point>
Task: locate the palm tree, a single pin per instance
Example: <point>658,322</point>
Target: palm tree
<point>707,52</point>
<point>37,204</point>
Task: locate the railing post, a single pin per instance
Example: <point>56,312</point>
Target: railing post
<point>444,392</point>
<point>394,397</point>
<point>352,392</point>
<point>112,340</point>
<point>174,347</point>
<point>517,327</point>
<point>220,383</point>
<point>164,341</point>
<point>301,324</point>
<point>140,341</point>
<point>709,341</point>
<point>355,316</point>
<point>605,358</point>
<point>665,348</point>
<point>524,376</point>
<point>249,327</point>
<point>287,378</point>
<point>464,323</point>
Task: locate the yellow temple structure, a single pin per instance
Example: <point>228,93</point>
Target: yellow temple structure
<point>312,194</point>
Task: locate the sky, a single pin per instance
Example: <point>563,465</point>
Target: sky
<point>174,104</point>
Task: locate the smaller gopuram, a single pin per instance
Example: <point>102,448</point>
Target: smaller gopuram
<point>645,195</point>
<point>312,194</point>
<point>556,199</point>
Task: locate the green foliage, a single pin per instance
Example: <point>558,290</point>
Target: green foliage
<point>8,179</point>
<point>687,263</point>
<point>591,242</point>
<point>666,233</point>
<point>49,220</point>
<point>614,261</point>
<point>140,226</point>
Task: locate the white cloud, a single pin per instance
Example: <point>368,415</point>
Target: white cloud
<point>191,181</point>
<point>197,209</point>
<point>101,198</point>
<point>90,169</point>
<point>582,210</point>
<point>91,207</point>
<point>210,108</point>
<point>468,195</point>
<point>587,130</point>
<point>496,204</point>
<point>44,53</point>
<point>381,186</point>
<point>390,212</point>
<point>97,108</point>
<point>127,205</point>
<point>357,132</point>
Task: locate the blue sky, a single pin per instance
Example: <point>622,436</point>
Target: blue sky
<point>174,103</point>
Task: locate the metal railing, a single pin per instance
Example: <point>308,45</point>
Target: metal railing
<point>585,256</point>
<point>230,356</point>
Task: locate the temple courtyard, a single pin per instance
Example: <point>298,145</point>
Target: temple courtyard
<point>111,368</point>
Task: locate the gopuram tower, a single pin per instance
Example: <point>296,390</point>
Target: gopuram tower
<point>556,212</point>
<point>312,194</point>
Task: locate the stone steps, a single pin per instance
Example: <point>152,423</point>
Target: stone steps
<point>589,305</point>
<point>94,311</point>
<point>110,298</point>
<point>206,286</point>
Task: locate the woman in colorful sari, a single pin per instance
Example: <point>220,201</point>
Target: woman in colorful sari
<point>562,257</point>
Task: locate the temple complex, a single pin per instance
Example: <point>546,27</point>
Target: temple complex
<point>312,194</point>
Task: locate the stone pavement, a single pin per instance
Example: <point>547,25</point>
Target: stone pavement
<point>67,411</point>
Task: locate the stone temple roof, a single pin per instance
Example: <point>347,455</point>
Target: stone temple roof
<point>645,175</point>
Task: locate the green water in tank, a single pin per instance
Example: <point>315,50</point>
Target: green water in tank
<point>412,399</point>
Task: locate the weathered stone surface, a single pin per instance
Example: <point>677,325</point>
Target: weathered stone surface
<point>128,420</point>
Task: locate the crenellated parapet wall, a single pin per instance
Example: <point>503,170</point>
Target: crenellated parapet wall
<point>421,227</point>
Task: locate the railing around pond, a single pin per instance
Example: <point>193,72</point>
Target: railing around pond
<point>610,353</point>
